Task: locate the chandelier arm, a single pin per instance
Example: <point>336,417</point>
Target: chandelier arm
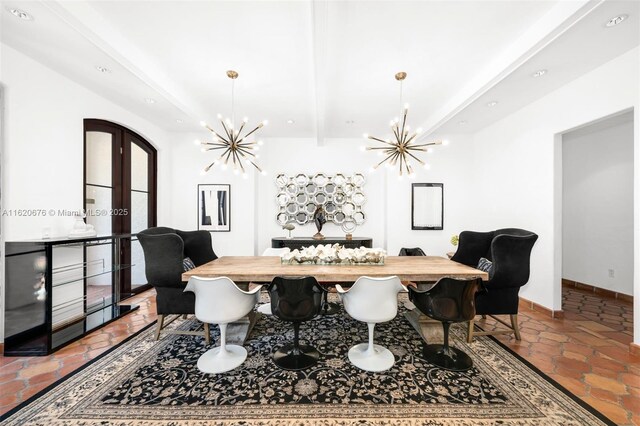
<point>226,130</point>
<point>214,148</point>
<point>228,152</point>
<point>416,158</point>
<point>215,144</point>
<point>251,132</point>
<point>401,156</point>
<point>256,166</point>
<point>404,120</point>
<point>240,162</point>
<point>380,140</point>
<point>371,148</point>
<point>410,139</point>
<point>407,167</point>
<point>220,137</point>
<point>241,127</point>
<point>242,143</point>
<point>378,165</point>
<point>395,132</point>
<point>419,149</point>
<point>244,151</point>
<point>428,144</point>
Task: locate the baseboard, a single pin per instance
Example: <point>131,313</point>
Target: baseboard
<point>537,307</point>
<point>609,294</point>
<point>634,349</point>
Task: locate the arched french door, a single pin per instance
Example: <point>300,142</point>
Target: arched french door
<point>120,170</point>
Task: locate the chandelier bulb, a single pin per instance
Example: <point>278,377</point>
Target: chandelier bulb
<point>429,150</point>
<point>257,156</point>
<point>219,116</point>
<point>419,130</point>
<point>196,142</point>
<point>426,166</point>
<point>260,142</point>
<point>203,123</point>
<point>372,169</point>
<point>265,122</point>
<point>363,148</point>
<point>203,149</point>
<point>245,120</point>
<point>406,107</point>
<point>235,171</point>
<point>445,142</point>
<point>244,176</point>
<point>203,172</point>
<point>263,173</point>
<point>224,166</point>
<point>255,148</point>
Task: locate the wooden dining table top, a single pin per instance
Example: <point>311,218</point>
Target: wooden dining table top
<point>265,268</point>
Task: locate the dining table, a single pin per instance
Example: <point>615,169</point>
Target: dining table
<point>410,269</point>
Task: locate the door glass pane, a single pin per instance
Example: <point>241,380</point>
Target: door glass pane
<point>139,211</point>
<point>139,168</point>
<point>99,150</point>
<point>138,276</point>
<point>99,201</point>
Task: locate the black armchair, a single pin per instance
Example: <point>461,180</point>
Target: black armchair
<point>296,300</point>
<point>164,251</point>
<point>414,251</point>
<point>509,250</point>
<point>450,300</point>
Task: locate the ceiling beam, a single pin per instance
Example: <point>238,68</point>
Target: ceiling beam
<point>319,24</point>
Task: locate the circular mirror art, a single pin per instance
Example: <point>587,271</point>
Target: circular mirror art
<point>320,179</point>
<point>282,180</point>
<point>341,195</point>
<point>349,226</point>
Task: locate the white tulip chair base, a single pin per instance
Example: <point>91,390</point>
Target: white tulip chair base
<point>216,361</point>
<point>377,359</point>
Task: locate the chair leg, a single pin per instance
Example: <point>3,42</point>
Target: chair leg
<point>370,348</point>
<point>514,325</point>
<point>445,345</point>
<point>470,332</point>
<point>223,353</point>
<point>159,326</point>
<point>184,316</point>
<point>207,334</point>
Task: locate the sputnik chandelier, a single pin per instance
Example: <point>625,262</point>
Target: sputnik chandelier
<point>236,147</point>
<point>402,149</point>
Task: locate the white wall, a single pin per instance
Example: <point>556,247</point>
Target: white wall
<point>387,209</point>
<point>518,167</point>
<point>43,147</point>
<point>597,206</point>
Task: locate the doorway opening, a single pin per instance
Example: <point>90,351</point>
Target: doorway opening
<point>598,226</point>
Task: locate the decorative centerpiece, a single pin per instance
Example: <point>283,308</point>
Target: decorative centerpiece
<point>335,254</point>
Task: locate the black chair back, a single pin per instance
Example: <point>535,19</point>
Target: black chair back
<point>295,299</point>
<point>472,246</point>
<point>163,255</point>
<point>415,251</point>
<point>450,300</point>
<point>197,246</point>
<point>511,260</point>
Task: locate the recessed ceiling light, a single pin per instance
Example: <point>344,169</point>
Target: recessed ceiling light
<point>150,100</point>
<point>179,120</point>
<point>539,73</point>
<point>290,121</point>
<point>616,20</point>
<point>19,13</point>
<point>492,104</point>
<point>102,69</point>
<point>462,122</point>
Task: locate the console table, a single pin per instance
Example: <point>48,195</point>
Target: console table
<point>299,242</point>
<point>47,301</point>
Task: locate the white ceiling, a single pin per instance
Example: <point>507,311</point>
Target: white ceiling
<point>323,64</point>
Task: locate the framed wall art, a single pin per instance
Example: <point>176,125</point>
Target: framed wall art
<point>214,211</point>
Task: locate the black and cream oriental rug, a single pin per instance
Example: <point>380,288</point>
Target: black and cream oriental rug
<point>144,382</point>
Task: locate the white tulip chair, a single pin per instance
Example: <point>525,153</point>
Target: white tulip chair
<point>372,300</point>
<point>265,308</point>
<point>220,301</point>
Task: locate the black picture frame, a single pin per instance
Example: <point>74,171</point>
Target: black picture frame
<point>427,206</point>
<point>214,207</point>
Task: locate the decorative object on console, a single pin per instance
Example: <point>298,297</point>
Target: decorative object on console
<point>348,227</point>
<point>81,229</point>
<point>235,146</point>
<point>214,207</point>
<point>319,219</point>
<point>289,227</point>
<point>334,255</point>
<point>427,206</point>
<point>341,197</point>
<point>454,240</point>
<point>399,151</point>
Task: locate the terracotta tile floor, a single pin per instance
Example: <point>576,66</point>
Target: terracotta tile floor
<point>585,356</point>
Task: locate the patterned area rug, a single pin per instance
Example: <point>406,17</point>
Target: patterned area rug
<point>144,382</point>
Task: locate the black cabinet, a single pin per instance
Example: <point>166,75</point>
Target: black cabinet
<point>57,290</point>
<point>298,242</point>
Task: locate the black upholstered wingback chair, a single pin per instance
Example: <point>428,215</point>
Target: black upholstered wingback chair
<point>414,251</point>
<point>450,300</point>
<point>164,250</point>
<point>509,250</point>
<point>295,299</point>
